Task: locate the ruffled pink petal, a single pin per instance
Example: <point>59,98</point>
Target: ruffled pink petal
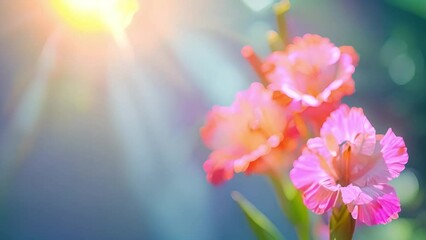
<point>278,69</point>
<point>222,164</point>
<point>321,196</point>
<point>318,50</point>
<point>346,89</point>
<point>386,163</point>
<point>218,168</point>
<point>376,204</point>
<point>319,147</point>
<point>276,160</point>
<point>326,93</point>
<point>311,71</point>
<point>241,164</point>
<point>350,125</point>
<point>343,83</point>
<point>369,170</point>
<point>394,153</point>
<point>349,50</point>
<point>319,189</point>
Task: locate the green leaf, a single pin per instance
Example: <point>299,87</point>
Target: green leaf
<point>292,205</point>
<point>262,227</point>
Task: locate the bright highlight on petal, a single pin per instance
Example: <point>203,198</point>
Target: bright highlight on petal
<point>96,15</point>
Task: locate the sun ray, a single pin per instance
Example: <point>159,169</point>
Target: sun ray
<point>139,106</point>
<point>127,122</point>
<point>20,135</point>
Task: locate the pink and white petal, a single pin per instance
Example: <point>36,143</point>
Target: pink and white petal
<point>319,188</point>
<point>321,196</point>
<point>346,68</point>
<point>291,91</point>
<point>350,124</point>
<point>338,88</point>
<point>326,93</point>
<point>347,88</point>
<point>309,100</point>
<point>394,153</point>
<point>307,171</point>
<point>241,164</point>
<point>372,205</point>
<point>343,84</point>
<point>369,170</point>
<point>349,50</point>
<point>275,161</point>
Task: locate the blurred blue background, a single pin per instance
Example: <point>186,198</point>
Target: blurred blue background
<point>100,140</point>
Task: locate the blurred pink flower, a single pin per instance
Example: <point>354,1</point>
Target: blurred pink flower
<point>352,165</point>
<point>312,71</point>
<point>247,136</point>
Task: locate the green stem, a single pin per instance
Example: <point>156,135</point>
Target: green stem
<point>292,205</point>
<point>342,225</point>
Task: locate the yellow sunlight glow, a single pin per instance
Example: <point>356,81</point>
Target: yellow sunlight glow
<point>96,15</point>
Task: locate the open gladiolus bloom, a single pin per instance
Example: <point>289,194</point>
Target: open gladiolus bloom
<point>349,164</point>
<point>248,136</point>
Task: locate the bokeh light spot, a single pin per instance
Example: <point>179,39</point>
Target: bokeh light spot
<point>407,187</point>
<point>396,230</point>
<point>392,48</point>
<point>401,229</point>
<point>402,69</point>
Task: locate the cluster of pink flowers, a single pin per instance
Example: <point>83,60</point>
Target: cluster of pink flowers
<point>267,129</point>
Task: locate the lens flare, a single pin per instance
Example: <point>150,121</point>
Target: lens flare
<point>96,15</point>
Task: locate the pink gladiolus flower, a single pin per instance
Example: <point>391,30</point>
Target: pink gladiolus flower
<point>312,71</point>
<point>246,136</point>
<point>349,164</point>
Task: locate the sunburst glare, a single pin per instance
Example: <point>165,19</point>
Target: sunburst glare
<point>96,15</point>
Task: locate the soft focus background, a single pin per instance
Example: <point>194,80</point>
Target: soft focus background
<point>99,130</point>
